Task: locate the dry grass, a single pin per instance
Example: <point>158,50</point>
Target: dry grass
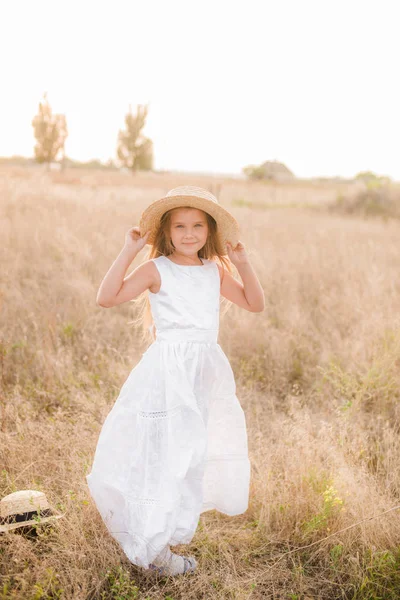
<point>317,374</point>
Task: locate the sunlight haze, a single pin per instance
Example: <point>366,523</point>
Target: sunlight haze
<point>311,84</point>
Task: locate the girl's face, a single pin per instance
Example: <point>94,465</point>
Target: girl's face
<point>189,230</point>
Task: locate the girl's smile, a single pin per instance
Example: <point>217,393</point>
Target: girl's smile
<point>189,229</point>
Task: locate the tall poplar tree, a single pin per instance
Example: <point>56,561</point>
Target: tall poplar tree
<point>50,131</point>
<point>135,151</point>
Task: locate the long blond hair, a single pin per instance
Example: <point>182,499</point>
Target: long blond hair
<point>163,246</point>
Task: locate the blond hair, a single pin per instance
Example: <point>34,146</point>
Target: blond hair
<point>163,246</point>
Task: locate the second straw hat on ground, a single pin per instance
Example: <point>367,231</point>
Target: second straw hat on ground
<point>195,197</point>
<point>25,508</point>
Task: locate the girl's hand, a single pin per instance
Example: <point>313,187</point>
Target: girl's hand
<point>238,254</point>
<point>133,241</point>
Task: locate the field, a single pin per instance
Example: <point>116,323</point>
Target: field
<point>318,376</point>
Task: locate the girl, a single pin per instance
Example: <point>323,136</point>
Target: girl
<point>174,444</point>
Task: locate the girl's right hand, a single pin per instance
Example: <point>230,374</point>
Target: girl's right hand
<point>133,241</point>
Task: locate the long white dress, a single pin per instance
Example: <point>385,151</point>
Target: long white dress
<point>174,444</point>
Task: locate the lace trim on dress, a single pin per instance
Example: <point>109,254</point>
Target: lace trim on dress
<point>158,414</point>
<point>145,501</point>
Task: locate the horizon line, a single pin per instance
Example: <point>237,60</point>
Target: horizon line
<point>233,174</point>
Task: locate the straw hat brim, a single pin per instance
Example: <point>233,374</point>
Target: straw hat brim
<point>11,526</point>
<point>227,226</point>
<point>22,501</point>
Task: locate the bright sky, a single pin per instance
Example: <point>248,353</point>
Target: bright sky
<point>312,83</point>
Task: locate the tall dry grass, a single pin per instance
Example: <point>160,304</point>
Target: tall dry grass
<point>317,374</point>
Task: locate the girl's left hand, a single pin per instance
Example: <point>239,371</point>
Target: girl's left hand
<point>238,254</point>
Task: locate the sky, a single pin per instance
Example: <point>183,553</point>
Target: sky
<point>311,83</point>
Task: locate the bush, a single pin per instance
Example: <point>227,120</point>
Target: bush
<point>375,200</point>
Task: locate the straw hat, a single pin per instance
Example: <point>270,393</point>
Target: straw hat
<point>195,197</point>
<point>19,508</point>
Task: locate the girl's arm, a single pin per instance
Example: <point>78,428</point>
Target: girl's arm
<point>249,294</point>
<point>114,289</point>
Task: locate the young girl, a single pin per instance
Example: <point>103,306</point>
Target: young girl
<point>174,444</point>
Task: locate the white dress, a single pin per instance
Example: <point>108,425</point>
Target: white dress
<point>174,444</point>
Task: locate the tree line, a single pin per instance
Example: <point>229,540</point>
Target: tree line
<point>134,149</point>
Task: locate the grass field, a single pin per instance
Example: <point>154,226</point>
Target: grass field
<point>318,376</point>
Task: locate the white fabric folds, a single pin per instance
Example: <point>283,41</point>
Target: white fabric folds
<point>174,444</point>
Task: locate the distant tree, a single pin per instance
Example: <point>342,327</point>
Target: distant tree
<point>135,151</point>
<point>371,179</point>
<point>50,132</point>
<point>270,170</point>
<point>254,172</point>
<point>366,175</point>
